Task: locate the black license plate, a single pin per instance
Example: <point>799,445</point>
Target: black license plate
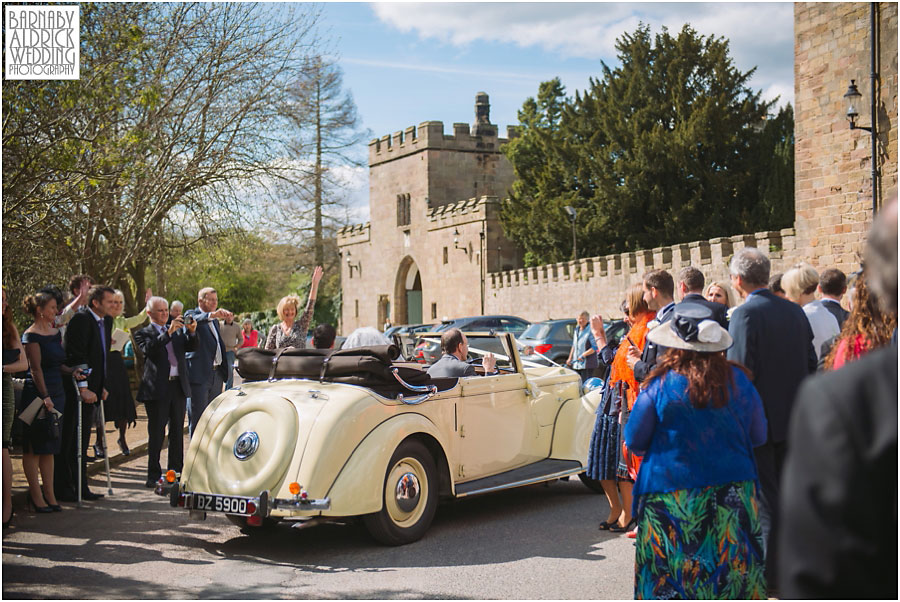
<point>222,503</point>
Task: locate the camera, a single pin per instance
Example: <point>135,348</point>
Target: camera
<point>188,320</point>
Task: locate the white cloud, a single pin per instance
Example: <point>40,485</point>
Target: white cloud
<point>760,34</point>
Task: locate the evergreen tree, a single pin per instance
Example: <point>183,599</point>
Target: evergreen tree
<point>668,147</point>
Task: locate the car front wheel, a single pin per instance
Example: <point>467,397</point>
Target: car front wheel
<point>409,496</point>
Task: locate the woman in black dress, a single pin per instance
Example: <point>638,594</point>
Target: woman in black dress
<point>43,348</point>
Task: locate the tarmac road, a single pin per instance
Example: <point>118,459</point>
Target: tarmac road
<point>539,542</point>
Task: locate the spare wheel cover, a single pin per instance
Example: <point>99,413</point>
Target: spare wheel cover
<point>275,423</point>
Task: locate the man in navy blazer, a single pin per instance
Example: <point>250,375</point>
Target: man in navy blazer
<point>690,287</point>
<point>207,367</point>
<point>87,341</point>
<point>773,339</point>
<point>164,387</point>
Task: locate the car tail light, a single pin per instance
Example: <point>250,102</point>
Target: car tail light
<point>251,507</point>
<point>170,476</point>
<point>543,348</point>
<point>254,521</point>
<point>181,500</point>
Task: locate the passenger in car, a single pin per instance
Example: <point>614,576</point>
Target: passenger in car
<point>453,364</point>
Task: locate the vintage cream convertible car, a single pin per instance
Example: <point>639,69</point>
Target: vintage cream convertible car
<point>323,435</point>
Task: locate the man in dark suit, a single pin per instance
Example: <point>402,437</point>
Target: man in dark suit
<point>659,295</point>
<point>208,369</point>
<point>773,339</point>
<point>87,341</point>
<point>690,287</point>
<point>839,494</point>
<point>164,385</point>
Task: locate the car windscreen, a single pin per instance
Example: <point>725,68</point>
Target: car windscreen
<point>539,331</point>
<point>479,346</point>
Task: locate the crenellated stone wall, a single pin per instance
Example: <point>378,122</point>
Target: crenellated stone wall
<point>598,284</point>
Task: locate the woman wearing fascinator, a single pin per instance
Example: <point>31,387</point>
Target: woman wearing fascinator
<point>696,424</point>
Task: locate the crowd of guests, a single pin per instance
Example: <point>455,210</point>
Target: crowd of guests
<point>703,398</point>
<point>737,474</point>
<point>72,359</point>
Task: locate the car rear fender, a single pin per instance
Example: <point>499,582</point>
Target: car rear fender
<point>573,427</point>
<point>358,487</point>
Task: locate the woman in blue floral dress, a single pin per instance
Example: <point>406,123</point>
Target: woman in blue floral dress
<point>696,425</point>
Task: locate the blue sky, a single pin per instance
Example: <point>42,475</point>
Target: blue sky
<point>411,62</point>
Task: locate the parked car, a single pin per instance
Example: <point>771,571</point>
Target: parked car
<point>552,339</point>
<point>354,433</point>
<point>428,350</point>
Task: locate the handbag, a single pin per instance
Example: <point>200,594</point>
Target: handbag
<point>46,426</point>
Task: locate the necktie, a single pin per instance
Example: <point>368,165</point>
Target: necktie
<point>102,342</point>
<point>170,351</point>
<point>215,332</point>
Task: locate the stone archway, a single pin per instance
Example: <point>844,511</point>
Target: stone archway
<point>407,305</point>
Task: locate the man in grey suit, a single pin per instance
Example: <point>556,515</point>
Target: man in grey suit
<point>832,286</point>
<point>453,363</point>
<point>773,339</point>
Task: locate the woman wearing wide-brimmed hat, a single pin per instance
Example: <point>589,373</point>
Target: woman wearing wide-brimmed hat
<point>696,424</point>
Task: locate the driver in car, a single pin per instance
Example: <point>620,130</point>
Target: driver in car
<point>453,363</point>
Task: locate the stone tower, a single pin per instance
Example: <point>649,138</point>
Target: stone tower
<point>433,230</point>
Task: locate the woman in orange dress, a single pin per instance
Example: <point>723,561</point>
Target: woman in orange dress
<point>609,461</point>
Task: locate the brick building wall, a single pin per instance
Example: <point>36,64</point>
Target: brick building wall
<point>833,183</point>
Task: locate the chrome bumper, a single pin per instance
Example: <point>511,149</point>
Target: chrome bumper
<point>264,505</point>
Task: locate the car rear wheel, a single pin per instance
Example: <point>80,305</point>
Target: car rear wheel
<point>592,484</point>
<point>409,496</point>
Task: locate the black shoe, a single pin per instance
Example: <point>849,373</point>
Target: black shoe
<point>90,495</point>
<point>12,513</point>
<point>124,447</point>
<point>38,509</point>
<point>617,529</point>
<point>151,483</point>
<point>99,454</point>
<point>54,507</point>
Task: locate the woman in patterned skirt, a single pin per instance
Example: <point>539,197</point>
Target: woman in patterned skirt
<point>696,424</point>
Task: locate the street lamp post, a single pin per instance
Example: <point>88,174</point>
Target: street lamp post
<point>572,214</point>
<point>853,97</point>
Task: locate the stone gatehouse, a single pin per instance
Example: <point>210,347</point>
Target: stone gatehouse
<point>434,247</point>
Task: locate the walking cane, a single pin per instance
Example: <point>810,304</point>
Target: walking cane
<point>78,435</point>
<point>105,449</point>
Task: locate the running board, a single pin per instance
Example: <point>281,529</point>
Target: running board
<point>545,470</point>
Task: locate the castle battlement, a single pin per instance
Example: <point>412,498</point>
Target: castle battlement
<point>714,253</point>
<point>356,233</point>
<point>430,135</point>
<point>481,137</point>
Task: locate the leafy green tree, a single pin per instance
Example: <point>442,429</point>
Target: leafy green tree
<point>665,148</point>
<point>177,112</point>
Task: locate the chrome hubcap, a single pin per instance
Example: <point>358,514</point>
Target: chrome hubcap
<point>246,445</point>
<point>407,492</point>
